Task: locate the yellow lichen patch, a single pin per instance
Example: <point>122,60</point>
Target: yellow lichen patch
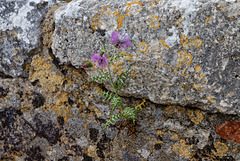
<point>182,149</point>
<point>184,60</point>
<point>153,22</point>
<point>208,19</point>
<point>211,98</point>
<point>44,72</point>
<point>195,116</point>
<point>133,8</point>
<point>143,46</point>
<point>221,149</point>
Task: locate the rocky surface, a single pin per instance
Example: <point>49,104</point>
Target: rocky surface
<point>20,34</point>
<point>183,53</point>
<point>54,112</point>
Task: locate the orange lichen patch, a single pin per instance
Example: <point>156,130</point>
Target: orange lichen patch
<point>127,56</point>
<point>235,151</point>
<point>153,22</point>
<point>92,151</point>
<point>95,22</point>
<point>208,19</point>
<point>211,98</point>
<point>160,133</point>
<point>44,72</point>
<point>183,38</point>
<point>182,149</point>
<point>134,72</point>
<point>184,60</point>
<point>192,42</point>
<point>117,67</point>
<point>143,46</point>
<point>180,109</point>
<point>199,74</point>
<point>229,130</point>
<point>107,18</point>
<point>133,8</point>
<point>221,149</point>
<point>175,136</point>
<point>180,20</point>
<point>169,109</point>
<point>61,107</point>
<point>195,116</point>
<point>163,45</point>
<point>9,34</point>
<point>189,43</point>
<point>119,20</point>
<point>153,4</point>
<point>196,42</point>
<point>198,68</point>
<point>97,112</point>
<point>198,86</point>
<point>220,7</point>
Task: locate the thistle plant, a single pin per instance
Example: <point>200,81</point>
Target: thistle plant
<point>101,62</point>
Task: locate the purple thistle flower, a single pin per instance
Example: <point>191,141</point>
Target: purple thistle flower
<point>100,61</point>
<point>120,40</point>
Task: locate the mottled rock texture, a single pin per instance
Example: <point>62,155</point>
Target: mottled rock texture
<point>20,34</point>
<point>54,112</point>
<point>183,52</point>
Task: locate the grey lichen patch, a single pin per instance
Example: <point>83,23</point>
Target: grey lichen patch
<point>178,55</point>
<point>20,34</point>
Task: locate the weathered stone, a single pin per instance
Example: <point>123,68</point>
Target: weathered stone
<point>57,114</point>
<point>183,52</point>
<point>20,34</point>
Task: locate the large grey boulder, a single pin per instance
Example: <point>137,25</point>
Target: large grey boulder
<point>20,34</point>
<point>183,52</point>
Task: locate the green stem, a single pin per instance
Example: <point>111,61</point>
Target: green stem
<point>116,91</point>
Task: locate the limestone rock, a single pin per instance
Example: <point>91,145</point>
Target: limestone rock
<point>20,34</point>
<point>183,52</point>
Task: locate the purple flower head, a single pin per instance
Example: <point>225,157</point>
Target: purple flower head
<point>120,40</point>
<point>99,61</point>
